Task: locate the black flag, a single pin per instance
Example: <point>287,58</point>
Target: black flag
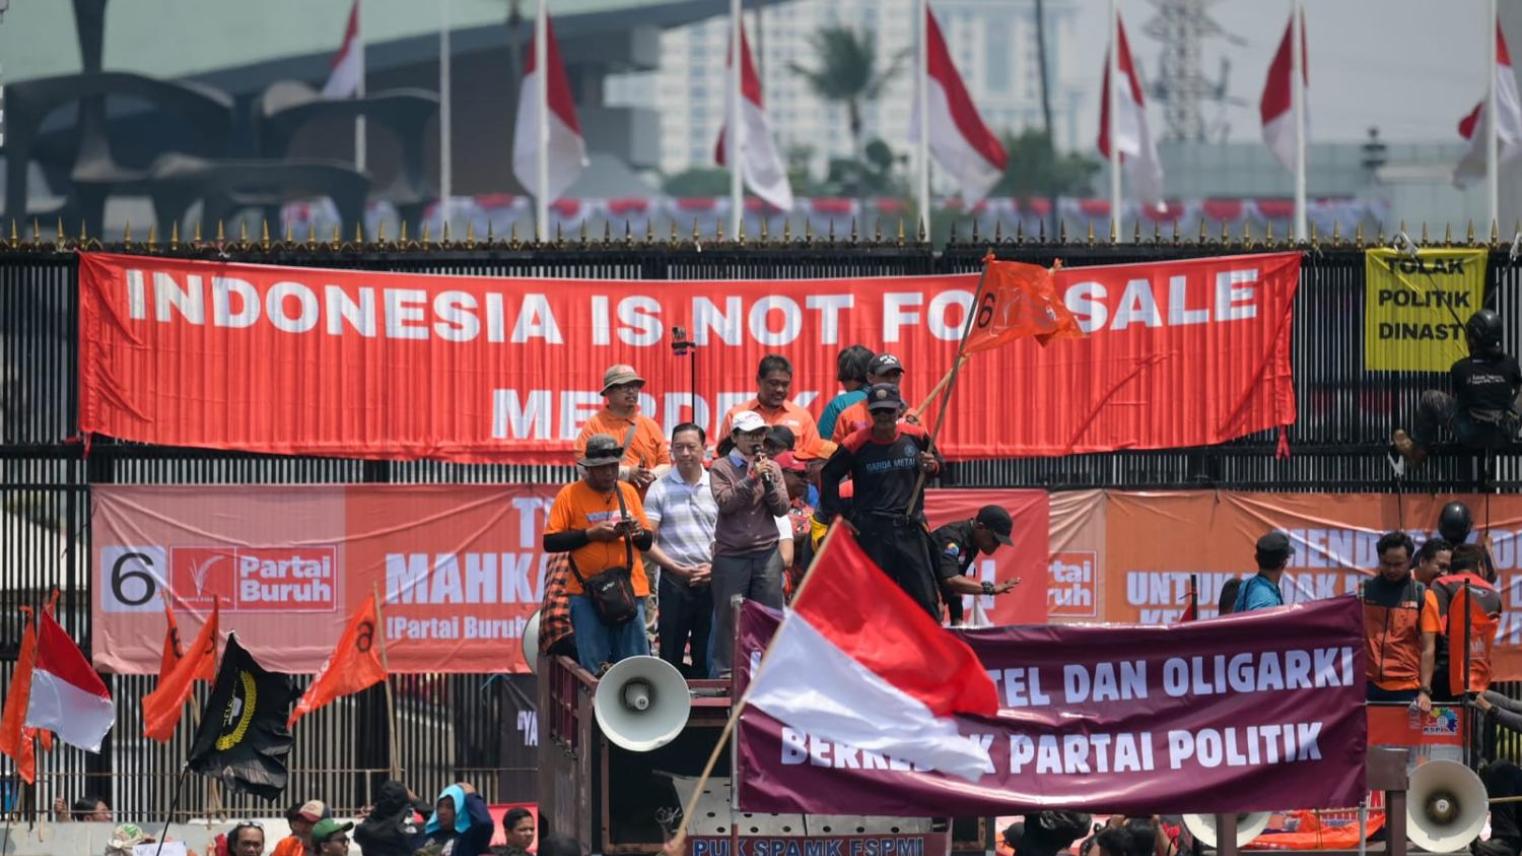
<point>243,739</point>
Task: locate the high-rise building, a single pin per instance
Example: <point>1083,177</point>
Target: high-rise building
<point>993,43</point>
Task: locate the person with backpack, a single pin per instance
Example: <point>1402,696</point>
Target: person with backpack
<point>1482,408</point>
<point>1262,590</point>
<point>1401,622</point>
<point>1466,587</point>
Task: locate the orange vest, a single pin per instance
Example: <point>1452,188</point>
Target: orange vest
<point>1393,639</point>
<point>1483,603</point>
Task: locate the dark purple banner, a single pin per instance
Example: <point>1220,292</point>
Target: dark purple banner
<point>1256,712</point>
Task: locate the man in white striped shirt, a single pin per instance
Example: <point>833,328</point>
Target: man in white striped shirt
<point>682,512</point>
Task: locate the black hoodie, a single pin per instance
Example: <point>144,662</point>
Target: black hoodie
<point>392,828</point>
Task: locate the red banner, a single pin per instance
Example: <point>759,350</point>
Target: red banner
<point>459,566</point>
<point>387,365</point>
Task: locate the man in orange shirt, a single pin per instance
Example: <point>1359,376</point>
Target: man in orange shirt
<point>774,379</point>
<point>884,368</point>
<point>1401,621</point>
<point>645,447</point>
<point>601,523</point>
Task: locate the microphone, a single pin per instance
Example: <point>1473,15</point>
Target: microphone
<point>679,341</point>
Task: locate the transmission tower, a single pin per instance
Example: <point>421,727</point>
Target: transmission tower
<point>1180,85</point>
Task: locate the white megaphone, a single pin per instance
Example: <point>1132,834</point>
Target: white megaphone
<point>1446,804</point>
<point>531,642</point>
<point>642,703</point>
<point>1249,826</point>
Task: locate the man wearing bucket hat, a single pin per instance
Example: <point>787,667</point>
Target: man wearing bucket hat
<point>645,447</point>
<point>958,544</point>
<point>601,523</point>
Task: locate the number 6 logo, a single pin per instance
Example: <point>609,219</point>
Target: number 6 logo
<point>131,578</point>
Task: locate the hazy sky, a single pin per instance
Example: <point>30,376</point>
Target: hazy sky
<point>1410,67</point>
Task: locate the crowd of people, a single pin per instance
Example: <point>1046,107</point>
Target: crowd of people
<point>660,533</point>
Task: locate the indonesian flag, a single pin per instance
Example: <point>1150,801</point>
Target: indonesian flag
<point>1277,107</point>
<point>874,672</point>
<point>1133,137</point>
<point>567,150</point>
<point>354,664</point>
<point>1473,127</point>
<point>1019,301</point>
<point>163,706</point>
<point>760,164</point>
<point>348,67</point>
<point>959,140</point>
<point>67,696</point>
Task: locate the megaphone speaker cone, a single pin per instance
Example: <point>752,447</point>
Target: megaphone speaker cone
<point>642,703</point>
<point>1446,806</point>
<point>1249,826</point>
<point>531,642</point>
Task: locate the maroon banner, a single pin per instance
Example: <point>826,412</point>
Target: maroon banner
<point>1255,712</point>
<point>365,364</point>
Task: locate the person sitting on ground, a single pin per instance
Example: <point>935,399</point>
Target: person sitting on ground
<point>392,827</point>
<point>1262,591</point>
<point>331,837</point>
<point>519,826</point>
<point>86,809</point>
<point>1482,409</point>
<point>461,824</point>
<point>246,838</point>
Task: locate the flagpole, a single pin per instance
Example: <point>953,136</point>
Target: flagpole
<point>446,156</point>
<point>1492,127</point>
<point>380,636</point>
<point>739,706</point>
<point>1113,106</point>
<point>359,91</point>
<point>951,379</point>
<point>922,96</point>
<point>174,805</point>
<point>542,155</point>
<point>733,143</point>
<point>1297,98</point>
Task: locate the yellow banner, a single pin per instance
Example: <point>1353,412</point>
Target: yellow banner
<point>1415,308</point>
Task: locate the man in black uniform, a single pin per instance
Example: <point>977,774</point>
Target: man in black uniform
<point>884,463</point>
<point>957,546</point>
<point>1482,410</point>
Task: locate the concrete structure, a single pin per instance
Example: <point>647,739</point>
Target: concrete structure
<point>993,43</point>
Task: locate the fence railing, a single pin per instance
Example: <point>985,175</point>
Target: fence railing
<point>466,724</point>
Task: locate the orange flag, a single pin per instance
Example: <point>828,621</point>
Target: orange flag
<point>1019,301</point>
<point>172,650</point>
<point>163,706</point>
<point>353,666</point>
<point>14,741</point>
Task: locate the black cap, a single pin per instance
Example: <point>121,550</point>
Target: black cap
<point>1274,544</point>
<point>883,396</point>
<point>997,521</point>
<point>884,363</point>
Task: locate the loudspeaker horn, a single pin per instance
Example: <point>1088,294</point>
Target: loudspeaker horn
<point>642,703</point>
<point>1446,805</point>
<point>1249,826</point>
<point>531,642</point>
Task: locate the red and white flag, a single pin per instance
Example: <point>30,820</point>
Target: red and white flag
<point>1277,107</point>
<point>877,673</point>
<point>567,149</point>
<point>1133,137</point>
<point>68,697</point>
<point>959,140</point>
<point>1474,127</point>
<point>760,163</point>
<point>348,67</point>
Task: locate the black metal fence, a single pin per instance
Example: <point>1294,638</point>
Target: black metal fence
<point>464,725</point>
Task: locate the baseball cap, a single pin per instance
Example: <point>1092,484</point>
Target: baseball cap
<point>997,521</point>
<point>618,376</point>
<point>883,396</point>
<point>329,826</point>
<point>789,461</point>
<point>311,810</point>
<point>747,421</point>
<point>1274,544</point>
<point>884,363</point>
<point>781,436</point>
